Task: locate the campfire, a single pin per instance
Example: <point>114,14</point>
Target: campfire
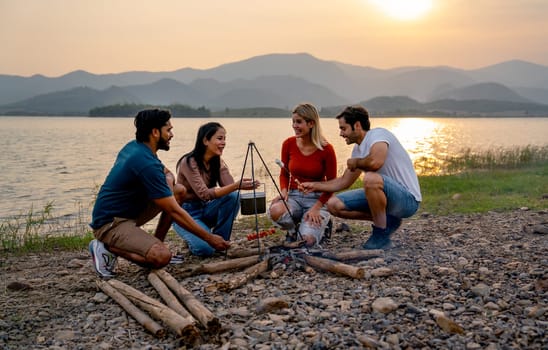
<point>279,258</point>
<point>185,315</point>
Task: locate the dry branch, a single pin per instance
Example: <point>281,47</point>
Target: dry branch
<point>181,326</point>
<point>220,266</point>
<point>132,310</point>
<point>242,252</point>
<point>334,266</point>
<point>355,255</point>
<point>241,278</point>
<point>196,308</point>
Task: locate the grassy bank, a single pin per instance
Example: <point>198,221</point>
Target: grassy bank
<point>502,179</point>
<point>498,180</point>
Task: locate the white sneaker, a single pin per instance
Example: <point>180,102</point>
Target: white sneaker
<point>103,260</point>
<point>177,259</point>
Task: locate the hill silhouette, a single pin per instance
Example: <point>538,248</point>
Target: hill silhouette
<point>283,80</point>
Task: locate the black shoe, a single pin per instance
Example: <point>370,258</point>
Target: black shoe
<point>290,237</point>
<point>342,227</point>
<point>392,224</point>
<point>177,259</point>
<point>328,230</point>
<point>379,239</point>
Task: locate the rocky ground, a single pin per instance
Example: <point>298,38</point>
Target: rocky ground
<point>451,282</point>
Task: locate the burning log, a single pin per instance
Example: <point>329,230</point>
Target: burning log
<point>180,325</point>
<point>141,317</point>
<point>242,278</point>
<point>221,266</point>
<point>334,266</point>
<point>196,308</point>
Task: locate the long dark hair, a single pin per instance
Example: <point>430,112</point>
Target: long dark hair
<point>205,131</point>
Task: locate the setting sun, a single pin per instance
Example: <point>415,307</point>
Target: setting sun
<point>404,9</point>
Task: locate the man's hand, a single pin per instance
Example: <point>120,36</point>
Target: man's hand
<point>352,163</point>
<point>307,187</point>
<point>217,242</point>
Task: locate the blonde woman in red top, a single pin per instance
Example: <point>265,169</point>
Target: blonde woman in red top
<point>306,157</point>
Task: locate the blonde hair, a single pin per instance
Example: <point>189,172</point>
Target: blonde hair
<point>308,112</point>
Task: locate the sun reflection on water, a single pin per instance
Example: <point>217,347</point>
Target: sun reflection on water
<point>425,141</point>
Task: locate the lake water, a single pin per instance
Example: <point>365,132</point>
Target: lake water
<point>63,160</point>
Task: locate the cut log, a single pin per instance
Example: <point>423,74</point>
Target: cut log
<point>231,264</point>
<point>293,245</point>
<point>241,252</point>
<point>196,308</point>
<point>170,299</point>
<point>241,278</point>
<point>140,316</point>
<point>181,326</point>
<point>357,255</point>
<point>334,266</point>
<point>219,266</point>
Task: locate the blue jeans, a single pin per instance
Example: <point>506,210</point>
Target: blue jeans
<point>215,216</point>
<point>399,201</point>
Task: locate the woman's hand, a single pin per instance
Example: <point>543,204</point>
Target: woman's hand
<point>313,217</point>
<point>170,178</point>
<point>249,184</point>
<point>282,197</point>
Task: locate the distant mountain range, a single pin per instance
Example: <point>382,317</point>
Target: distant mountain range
<point>283,80</point>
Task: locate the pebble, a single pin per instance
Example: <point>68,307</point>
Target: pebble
<point>384,305</point>
<point>453,282</point>
<point>481,290</point>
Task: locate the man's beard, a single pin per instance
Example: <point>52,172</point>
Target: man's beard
<point>163,144</point>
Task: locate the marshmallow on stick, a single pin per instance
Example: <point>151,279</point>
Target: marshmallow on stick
<point>282,165</point>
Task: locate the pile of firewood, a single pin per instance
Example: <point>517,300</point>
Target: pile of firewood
<point>181,312</point>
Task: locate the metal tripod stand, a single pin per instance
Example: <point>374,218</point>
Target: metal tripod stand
<point>251,148</point>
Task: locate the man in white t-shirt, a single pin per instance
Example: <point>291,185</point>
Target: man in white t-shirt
<point>391,188</point>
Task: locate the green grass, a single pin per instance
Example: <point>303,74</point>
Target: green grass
<point>40,231</point>
<point>480,191</point>
<point>498,180</point>
<point>495,180</point>
<point>468,160</point>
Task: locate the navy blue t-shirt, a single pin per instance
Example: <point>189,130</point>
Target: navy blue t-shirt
<point>136,178</point>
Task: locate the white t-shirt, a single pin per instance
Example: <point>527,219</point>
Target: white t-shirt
<point>398,164</point>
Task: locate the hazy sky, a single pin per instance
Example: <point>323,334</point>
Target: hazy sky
<point>54,37</point>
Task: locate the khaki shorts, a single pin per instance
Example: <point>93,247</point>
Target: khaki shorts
<point>126,234</point>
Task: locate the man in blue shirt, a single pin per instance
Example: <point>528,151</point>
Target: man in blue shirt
<point>138,188</point>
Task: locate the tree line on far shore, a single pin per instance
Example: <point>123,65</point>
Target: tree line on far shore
<point>131,109</point>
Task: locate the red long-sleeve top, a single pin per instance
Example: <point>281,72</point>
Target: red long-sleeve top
<point>318,166</point>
